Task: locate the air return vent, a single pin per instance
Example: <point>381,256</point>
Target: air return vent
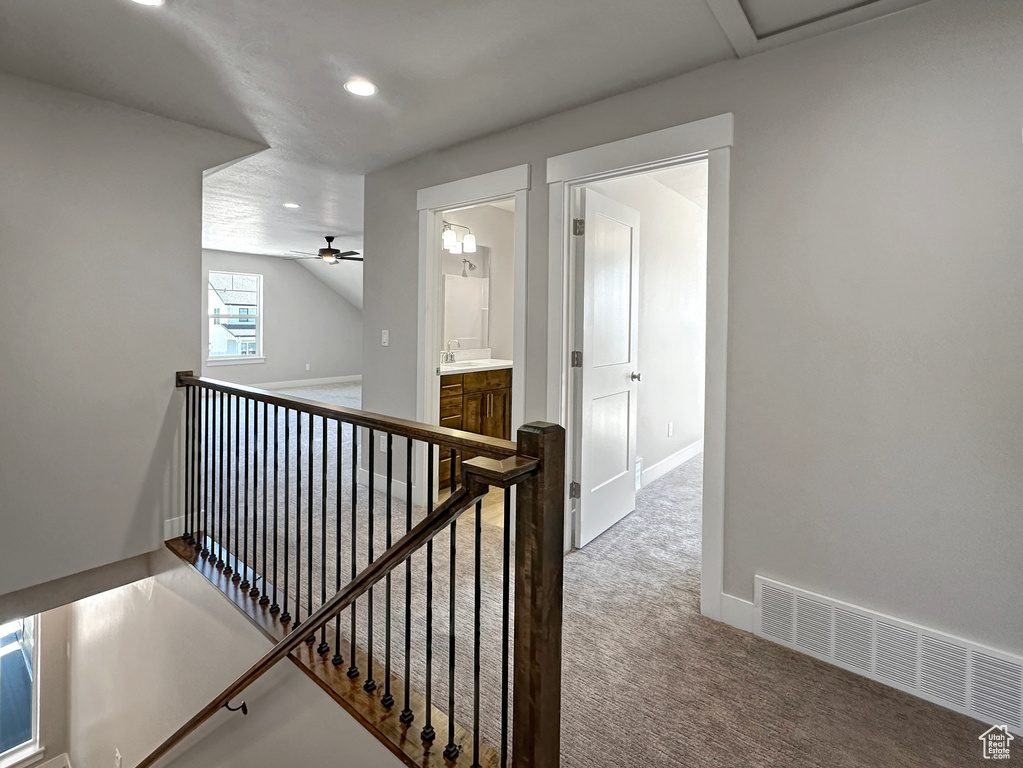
<point>963,676</point>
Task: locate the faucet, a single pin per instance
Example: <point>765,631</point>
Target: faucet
<point>449,356</point>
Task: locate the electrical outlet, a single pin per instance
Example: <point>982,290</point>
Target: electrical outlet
<point>385,338</point>
<point>307,366</point>
<point>671,428</point>
<point>117,758</point>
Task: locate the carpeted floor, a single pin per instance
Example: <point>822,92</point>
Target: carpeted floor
<point>647,681</point>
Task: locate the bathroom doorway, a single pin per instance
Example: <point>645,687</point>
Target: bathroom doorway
<point>472,309</point>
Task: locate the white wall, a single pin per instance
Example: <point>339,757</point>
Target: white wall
<point>672,315</point>
<point>304,321</point>
<point>875,422</point>
<point>157,651</point>
<point>495,229</point>
<point>100,294</point>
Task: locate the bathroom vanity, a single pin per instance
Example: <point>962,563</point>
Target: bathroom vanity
<point>474,397</point>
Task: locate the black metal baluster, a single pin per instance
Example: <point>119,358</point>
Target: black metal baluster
<point>353,669</point>
<point>274,606</point>
<point>370,684</point>
<point>247,564</point>
<point>242,472</point>
<point>388,700</point>
<point>477,605</point>
<point>298,520</point>
<point>406,715</point>
<point>451,750</point>
<point>428,734</point>
<point>220,486</point>
<point>286,617</point>
<point>237,473</point>
<point>207,448</point>
<point>505,638</point>
<point>309,512</point>
<point>187,534</point>
<point>196,509</point>
<point>338,659</point>
<point>264,598</point>
<point>227,487</point>
<point>323,647</point>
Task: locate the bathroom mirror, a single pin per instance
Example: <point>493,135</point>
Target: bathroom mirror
<point>467,299</point>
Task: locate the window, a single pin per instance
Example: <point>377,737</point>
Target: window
<point>235,320</point>
<point>18,688</point>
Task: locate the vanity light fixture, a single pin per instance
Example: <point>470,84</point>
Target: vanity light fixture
<point>450,242</point>
<point>292,205</point>
<point>360,87</point>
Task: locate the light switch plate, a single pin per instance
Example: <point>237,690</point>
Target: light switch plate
<point>385,338</point>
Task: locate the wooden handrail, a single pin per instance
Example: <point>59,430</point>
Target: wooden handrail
<point>474,487</point>
<point>480,445</point>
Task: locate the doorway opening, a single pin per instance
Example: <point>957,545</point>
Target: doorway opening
<point>707,140</point>
<point>472,258</point>
<point>639,265</point>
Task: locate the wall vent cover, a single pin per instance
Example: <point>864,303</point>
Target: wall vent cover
<point>980,682</point>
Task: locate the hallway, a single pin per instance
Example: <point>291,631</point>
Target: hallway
<point>648,681</point>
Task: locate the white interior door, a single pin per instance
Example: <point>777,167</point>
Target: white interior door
<point>607,269</point>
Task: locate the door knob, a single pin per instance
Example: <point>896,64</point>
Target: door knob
<point>637,376</point>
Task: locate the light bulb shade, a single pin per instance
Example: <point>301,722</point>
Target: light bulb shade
<point>469,243</point>
<point>449,238</point>
<point>456,248</point>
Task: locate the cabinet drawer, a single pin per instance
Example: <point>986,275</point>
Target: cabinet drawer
<point>480,381</point>
<point>450,406</point>
<point>451,384</point>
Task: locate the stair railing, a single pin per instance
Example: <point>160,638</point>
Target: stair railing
<point>246,457</point>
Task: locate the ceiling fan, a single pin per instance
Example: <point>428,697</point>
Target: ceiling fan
<point>330,254</point>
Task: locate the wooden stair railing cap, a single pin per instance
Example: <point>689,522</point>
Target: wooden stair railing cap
<point>482,445</point>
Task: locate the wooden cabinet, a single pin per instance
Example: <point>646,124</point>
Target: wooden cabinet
<point>477,402</point>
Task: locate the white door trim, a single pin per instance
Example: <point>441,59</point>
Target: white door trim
<point>711,138</point>
<point>475,190</point>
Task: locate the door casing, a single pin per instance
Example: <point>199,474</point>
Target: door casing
<point>709,139</point>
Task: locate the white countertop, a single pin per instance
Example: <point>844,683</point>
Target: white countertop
<point>468,366</point>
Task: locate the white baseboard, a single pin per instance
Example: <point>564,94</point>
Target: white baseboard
<point>380,483</point>
<point>737,612</point>
<point>173,527</point>
<point>677,459</point>
<point>308,382</point>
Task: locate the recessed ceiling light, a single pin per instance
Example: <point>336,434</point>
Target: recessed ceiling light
<point>149,2</point>
<point>360,87</point>
<point>292,205</point>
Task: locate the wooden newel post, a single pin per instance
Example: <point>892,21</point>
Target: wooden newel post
<point>539,559</point>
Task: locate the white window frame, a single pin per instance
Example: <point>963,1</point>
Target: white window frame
<point>222,317</point>
<point>31,751</point>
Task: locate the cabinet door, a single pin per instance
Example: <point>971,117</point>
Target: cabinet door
<point>496,407</point>
<point>473,412</point>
